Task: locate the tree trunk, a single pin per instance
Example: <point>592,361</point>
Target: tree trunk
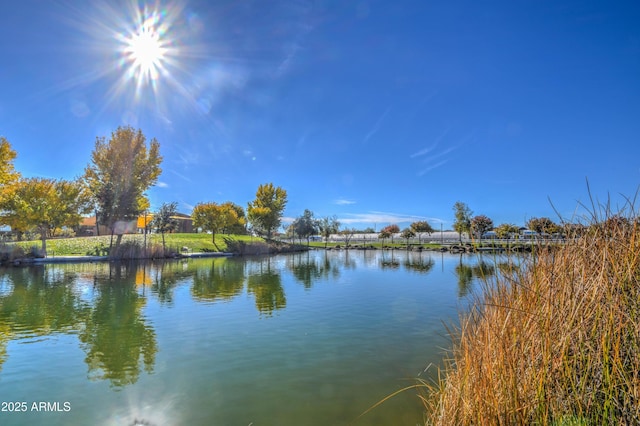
<point>118,241</point>
<point>43,236</point>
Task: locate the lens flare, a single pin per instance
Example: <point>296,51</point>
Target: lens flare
<point>145,50</point>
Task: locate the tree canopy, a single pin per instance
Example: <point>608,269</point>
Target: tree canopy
<point>506,229</point>
<point>265,212</point>
<point>543,225</point>
<point>164,220</point>
<point>44,205</point>
<point>481,224</point>
<point>120,172</point>
<point>213,217</point>
<point>421,226</point>
<point>408,233</point>
<point>462,214</point>
<point>305,226</point>
<point>327,226</point>
<point>7,172</point>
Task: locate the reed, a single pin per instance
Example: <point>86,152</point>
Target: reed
<point>555,342</point>
<point>129,250</point>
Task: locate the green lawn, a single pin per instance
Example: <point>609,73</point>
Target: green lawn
<point>88,245</point>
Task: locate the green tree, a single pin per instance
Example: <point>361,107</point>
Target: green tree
<point>505,230</point>
<point>328,225</point>
<point>408,233</point>
<point>120,172</point>
<point>480,224</point>
<point>421,226</point>
<point>306,225</point>
<point>44,205</point>
<point>383,235</point>
<point>543,225</point>
<point>265,212</point>
<point>164,220</point>
<point>213,217</point>
<point>238,226</point>
<point>462,214</point>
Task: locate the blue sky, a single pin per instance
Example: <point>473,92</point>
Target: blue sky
<point>378,112</point>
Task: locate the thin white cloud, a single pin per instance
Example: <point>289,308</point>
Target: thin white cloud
<point>375,217</point>
<point>287,220</point>
<point>431,167</point>
<point>162,185</point>
<point>181,176</point>
<point>376,126</point>
<point>433,146</point>
<point>343,202</point>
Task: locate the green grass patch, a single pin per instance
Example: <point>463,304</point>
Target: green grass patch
<point>80,246</point>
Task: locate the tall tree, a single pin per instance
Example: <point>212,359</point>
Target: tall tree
<point>480,224</point>
<point>265,212</point>
<point>328,225</point>
<point>421,226</point>
<point>120,172</point>
<point>43,205</point>
<point>7,155</point>
<point>463,218</point>
<point>306,225</point>
<point>238,226</point>
<point>164,220</point>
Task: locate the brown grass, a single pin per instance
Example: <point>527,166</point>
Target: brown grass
<point>557,343</point>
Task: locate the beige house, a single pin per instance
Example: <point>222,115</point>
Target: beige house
<point>88,225</point>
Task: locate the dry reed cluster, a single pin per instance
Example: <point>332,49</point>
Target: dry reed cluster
<point>556,343</point>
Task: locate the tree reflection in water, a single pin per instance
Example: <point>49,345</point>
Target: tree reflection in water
<point>466,273</point>
<point>389,262</point>
<point>115,335</point>
<point>308,269</point>
<point>38,301</point>
<point>419,262</point>
<point>266,286</point>
<point>223,280</point>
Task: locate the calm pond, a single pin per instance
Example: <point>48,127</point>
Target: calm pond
<point>305,339</point>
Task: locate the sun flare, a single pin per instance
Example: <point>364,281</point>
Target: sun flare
<point>145,51</point>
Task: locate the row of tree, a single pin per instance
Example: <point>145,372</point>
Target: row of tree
<point>124,167</point>
<point>113,187</point>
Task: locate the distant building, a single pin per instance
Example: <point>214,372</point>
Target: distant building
<point>88,225</point>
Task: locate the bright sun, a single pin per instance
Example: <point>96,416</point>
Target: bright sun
<point>145,51</point>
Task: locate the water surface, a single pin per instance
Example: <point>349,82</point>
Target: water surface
<point>313,338</point>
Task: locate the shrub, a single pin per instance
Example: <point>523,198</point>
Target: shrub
<point>10,253</point>
<point>557,342</point>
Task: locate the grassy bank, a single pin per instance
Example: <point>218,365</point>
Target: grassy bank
<point>95,245</point>
<point>557,343</point>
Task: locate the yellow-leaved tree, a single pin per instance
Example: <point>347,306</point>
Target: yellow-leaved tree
<point>44,205</point>
<point>215,218</point>
<point>8,174</point>
<point>265,212</point>
<point>120,172</point>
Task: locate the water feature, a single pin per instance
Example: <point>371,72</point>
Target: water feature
<point>310,338</point>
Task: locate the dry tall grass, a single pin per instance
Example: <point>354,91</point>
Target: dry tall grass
<point>558,343</point>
